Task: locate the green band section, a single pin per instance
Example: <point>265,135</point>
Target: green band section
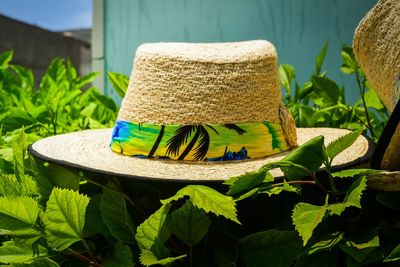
<point>209,142</point>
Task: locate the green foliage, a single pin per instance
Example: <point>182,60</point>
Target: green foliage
<point>321,102</point>
<point>53,216</point>
<point>207,199</point>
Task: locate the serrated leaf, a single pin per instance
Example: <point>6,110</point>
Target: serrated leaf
<point>355,172</point>
<point>23,237</point>
<point>119,255</point>
<point>291,170</point>
<point>11,253</point>
<point>11,187</point>
<point>189,224</point>
<point>119,82</point>
<point>339,145</point>
<point>394,255</point>
<point>64,218</point>
<point>18,212</point>
<point>306,217</point>
<point>149,237</point>
<point>352,198</point>
<point>246,182</point>
<point>270,248</point>
<point>209,200</point>
<point>115,216</point>
<point>19,151</point>
<point>275,190</point>
<point>308,155</point>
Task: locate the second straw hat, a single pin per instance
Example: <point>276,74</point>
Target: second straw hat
<point>195,112</point>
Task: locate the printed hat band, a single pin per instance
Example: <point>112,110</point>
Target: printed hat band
<point>209,142</point>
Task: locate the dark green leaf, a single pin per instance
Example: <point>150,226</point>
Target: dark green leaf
<point>394,255</point>
<point>327,91</point>
<point>326,242</point>
<point>246,182</point>
<point>354,173</point>
<point>189,224</point>
<point>119,255</point>
<point>115,216</point>
<point>308,155</point>
<point>389,199</point>
<point>270,248</point>
<point>361,245</point>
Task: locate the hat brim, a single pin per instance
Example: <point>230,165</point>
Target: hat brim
<point>90,151</point>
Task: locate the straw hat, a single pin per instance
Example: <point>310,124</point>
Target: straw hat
<point>197,112</point>
<point>377,49</point>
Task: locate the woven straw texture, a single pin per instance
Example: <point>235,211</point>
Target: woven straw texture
<point>182,83</point>
<point>90,149</point>
<point>377,48</point>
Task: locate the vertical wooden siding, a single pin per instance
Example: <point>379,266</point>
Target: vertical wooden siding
<point>298,28</point>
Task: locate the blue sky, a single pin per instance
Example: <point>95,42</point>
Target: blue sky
<point>53,15</point>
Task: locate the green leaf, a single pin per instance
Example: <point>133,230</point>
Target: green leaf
<point>115,216</point>
<point>150,236</point>
<point>23,237</point>
<point>321,58</point>
<point>18,212</point>
<point>119,82</point>
<point>19,151</point>
<point>339,145</point>
<point>355,172</point>
<point>5,58</point>
<point>64,218</point>
<point>119,255</point>
<point>94,223</point>
<point>361,245</point>
<point>349,64</point>
<point>275,190</point>
<point>373,100</point>
<point>11,187</point>
<point>270,248</point>
<point>44,262</point>
<point>292,170</point>
<point>189,224</point>
<point>308,155</point>
<point>326,243</point>
<point>11,253</point>
<point>306,217</point>
<point>209,200</point>
<point>88,78</point>
<point>394,255</point>
<point>246,182</point>
<point>327,91</point>
<point>352,198</point>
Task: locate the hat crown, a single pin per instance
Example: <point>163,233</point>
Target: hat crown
<point>186,83</point>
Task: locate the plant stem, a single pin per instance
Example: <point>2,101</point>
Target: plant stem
<point>361,87</point>
<point>92,256</point>
<point>190,256</point>
<point>83,258</point>
<point>331,179</point>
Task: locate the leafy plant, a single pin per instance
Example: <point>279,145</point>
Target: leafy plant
<point>321,102</point>
<point>52,216</point>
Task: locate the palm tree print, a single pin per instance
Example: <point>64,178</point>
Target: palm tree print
<point>157,142</point>
<point>183,133</point>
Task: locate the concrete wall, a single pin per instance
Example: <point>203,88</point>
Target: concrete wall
<point>298,28</point>
<point>35,47</point>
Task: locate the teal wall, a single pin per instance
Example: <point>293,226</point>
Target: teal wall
<point>298,28</point>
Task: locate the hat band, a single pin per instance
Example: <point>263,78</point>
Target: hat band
<point>208,142</point>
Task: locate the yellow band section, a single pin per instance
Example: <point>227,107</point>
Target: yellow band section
<point>210,142</point>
